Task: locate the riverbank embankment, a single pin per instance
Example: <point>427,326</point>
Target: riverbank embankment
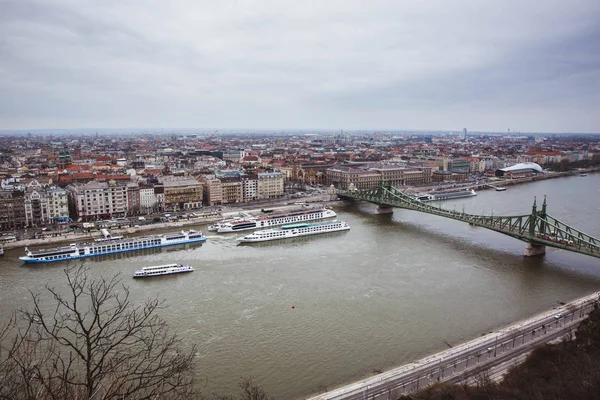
<point>71,237</point>
<point>462,361</point>
<point>535,178</point>
<point>203,219</point>
<point>239,209</point>
<point>494,183</point>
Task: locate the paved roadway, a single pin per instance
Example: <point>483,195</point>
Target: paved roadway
<point>469,359</point>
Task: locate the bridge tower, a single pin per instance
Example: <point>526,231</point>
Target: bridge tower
<point>533,249</point>
<point>384,208</point>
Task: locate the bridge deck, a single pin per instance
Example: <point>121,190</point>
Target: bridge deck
<point>537,228</point>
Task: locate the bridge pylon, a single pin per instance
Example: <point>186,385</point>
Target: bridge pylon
<point>536,249</point>
<point>532,250</point>
<point>384,209</point>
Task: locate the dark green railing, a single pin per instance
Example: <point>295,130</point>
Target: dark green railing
<point>536,228</point>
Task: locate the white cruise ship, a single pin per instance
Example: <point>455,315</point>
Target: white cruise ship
<point>111,245</point>
<point>295,230</point>
<point>446,196</point>
<point>275,220</point>
<point>159,270</point>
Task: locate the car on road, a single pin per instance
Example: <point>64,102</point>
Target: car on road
<point>558,316</point>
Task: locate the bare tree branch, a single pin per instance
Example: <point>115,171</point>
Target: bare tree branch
<point>94,344</point>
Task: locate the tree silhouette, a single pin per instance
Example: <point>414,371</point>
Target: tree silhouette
<point>93,343</point>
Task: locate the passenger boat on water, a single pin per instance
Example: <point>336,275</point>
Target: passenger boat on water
<point>295,230</point>
<point>276,220</point>
<point>447,195</point>
<point>159,270</point>
<point>111,245</point>
<point>215,227</point>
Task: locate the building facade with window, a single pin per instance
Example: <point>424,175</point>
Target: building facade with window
<point>250,188</point>
<point>58,205</point>
<point>182,194</point>
<point>97,200</point>
<point>12,210</point>
<point>212,190</point>
<point>232,190</point>
<point>343,177</point>
<point>270,185</point>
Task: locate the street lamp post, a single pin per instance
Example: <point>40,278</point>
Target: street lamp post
<point>495,345</point>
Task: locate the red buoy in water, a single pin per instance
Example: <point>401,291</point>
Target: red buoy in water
<point>293,306</point>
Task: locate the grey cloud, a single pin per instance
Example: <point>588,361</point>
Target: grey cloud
<point>278,64</point>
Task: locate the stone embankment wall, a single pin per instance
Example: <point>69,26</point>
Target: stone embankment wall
<point>95,234</point>
<point>207,218</point>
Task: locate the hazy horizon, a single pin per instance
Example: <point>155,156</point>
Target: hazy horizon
<point>227,131</point>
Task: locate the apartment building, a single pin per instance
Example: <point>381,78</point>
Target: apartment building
<point>151,198</point>
<point>97,200</point>
<point>232,190</point>
<point>36,205</point>
<point>133,199</point>
<point>270,185</point>
<point>212,190</point>
<point>117,199</point>
<point>250,188</point>
<point>12,209</point>
<point>544,157</point>
<point>182,193</point>
<point>58,205</point>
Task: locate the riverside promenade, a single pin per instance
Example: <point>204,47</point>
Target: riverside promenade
<point>203,218</point>
<point>505,346</point>
<point>95,234</point>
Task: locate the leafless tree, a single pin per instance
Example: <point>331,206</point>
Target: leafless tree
<point>93,343</point>
<point>481,377</point>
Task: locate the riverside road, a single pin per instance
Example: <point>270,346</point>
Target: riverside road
<point>308,315</point>
<point>458,364</point>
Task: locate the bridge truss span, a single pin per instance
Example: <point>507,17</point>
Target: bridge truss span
<point>538,229</point>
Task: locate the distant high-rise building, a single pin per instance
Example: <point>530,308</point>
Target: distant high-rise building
<point>465,133</point>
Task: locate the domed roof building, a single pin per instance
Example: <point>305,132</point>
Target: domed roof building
<point>520,170</point>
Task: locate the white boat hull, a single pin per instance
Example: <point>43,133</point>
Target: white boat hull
<point>150,272</point>
<point>278,234</point>
<point>83,251</point>
<point>277,221</point>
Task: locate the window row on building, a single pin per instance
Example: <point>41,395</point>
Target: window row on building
<point>369,177</point>
<point>227,187</point>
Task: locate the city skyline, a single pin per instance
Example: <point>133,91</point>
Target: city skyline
<point>488,66</point>
<point>223,132</point>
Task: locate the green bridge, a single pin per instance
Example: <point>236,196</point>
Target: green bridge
<point>537,229</point>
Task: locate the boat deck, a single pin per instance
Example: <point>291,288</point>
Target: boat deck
<point>109,242</point>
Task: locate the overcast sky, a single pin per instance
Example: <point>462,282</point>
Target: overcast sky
<point>527,65</point>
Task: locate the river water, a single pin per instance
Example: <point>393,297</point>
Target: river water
<point>307,314</point>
